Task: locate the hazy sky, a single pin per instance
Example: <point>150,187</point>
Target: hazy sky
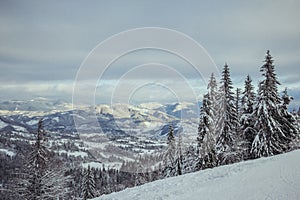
<point>43,43</point>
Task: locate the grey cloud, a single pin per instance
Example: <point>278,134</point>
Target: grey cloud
<point>47,41</point>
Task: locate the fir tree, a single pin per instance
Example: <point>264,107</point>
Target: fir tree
<point>212,88</point>
<point>179,155</point>
<point>206,138</point>
<point>41,180</point>
<point>238,134</point>
<point>36,166</point>
<point>140,175</point>
<point>88,184</point>
<point>171,145</point>
<point>296,142</point>
<point>213,97</point>
<point>189,161</point>
<point>247,123</point>
<point>271,135</point>
<point>170,155</point>
<point>227,120</point>
<point>288,121</point>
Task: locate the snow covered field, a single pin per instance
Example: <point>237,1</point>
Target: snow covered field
<point>276,177</point>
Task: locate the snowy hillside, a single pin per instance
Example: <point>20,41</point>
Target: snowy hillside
<point>276,177</point>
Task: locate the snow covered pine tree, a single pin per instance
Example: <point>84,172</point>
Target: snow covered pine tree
<point>206,138</point>
<point>227,120</point>
<point>289,121</point>
<point>179,156</point>
<point>169,163</point>
<point>36,167</point>
<point>272,135</point>
<point>88,184</point>
<point>247,123</point>
<point>40,180</point>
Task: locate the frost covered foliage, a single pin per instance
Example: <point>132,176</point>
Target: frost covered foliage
<point>173,163</point>
<point>88,184</point>
<point>169,159</point>
<point>252,126</point>
<point>190,160</point>
<point>40,180</point>
<point>226,121</point>
<point>273,131</point>
<point>246,121</point>
<point>179,156</point>
<point>206,138</point>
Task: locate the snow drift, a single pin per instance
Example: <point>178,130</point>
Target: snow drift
<point>276,177</point>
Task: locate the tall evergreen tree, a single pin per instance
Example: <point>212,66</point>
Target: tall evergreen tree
<point>288,121</point>
<point>179,156</point>
<point>171,145</point>
<point>36,166</point>
<point>190,158</point>
<point>238,147</point>
<point>238,112</point>
<point>88,184</point>
<point>213,98</point>
<point>42,180</point>
<point>271,137</point>
<point>212,88</point>
<point>247,123</point>
<point>227,120</point>
<point>296,142</point>
<point>170,155</point>
<point>206,138</point>
<point>238,100</point>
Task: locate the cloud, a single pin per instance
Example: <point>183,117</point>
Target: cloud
<point>31,90</point>
<point>43,43</point>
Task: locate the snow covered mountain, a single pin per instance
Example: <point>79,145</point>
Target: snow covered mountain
<point>116,119</point>
<point>276,177</point>
<point>127,130</point>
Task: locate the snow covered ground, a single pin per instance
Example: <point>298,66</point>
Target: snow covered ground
<point>276,177</point>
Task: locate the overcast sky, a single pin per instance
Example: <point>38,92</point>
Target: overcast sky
<point>43,44</point>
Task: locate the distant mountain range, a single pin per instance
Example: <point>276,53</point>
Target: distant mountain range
<point>58,116</point>
<point>103,133</point>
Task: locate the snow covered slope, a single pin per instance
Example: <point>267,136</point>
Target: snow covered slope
<point>276,177</point>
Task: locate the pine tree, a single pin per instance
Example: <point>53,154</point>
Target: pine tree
<point>171,145</point>
<point>271,137</point>
<point>247,123</point>
<point>88,184</point>
<point>179,156</point>
<point>214,97</point>
<point>296,142</point>
<point>189,161</point>
<point>140,175</point>
<point>212,88</point>
<point>36,167</point>
<point>227,120</point>
<point>238,147</point>
<point>288,121</point>
<point>206,138</point>
<point>238,105</point>
<point>41,180</point>
<point>238,134</point>
<point>170,155</point>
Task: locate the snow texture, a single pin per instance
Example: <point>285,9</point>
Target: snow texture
<point>276,177</point>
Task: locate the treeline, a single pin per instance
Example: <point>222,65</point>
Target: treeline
<point>236,126</point>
